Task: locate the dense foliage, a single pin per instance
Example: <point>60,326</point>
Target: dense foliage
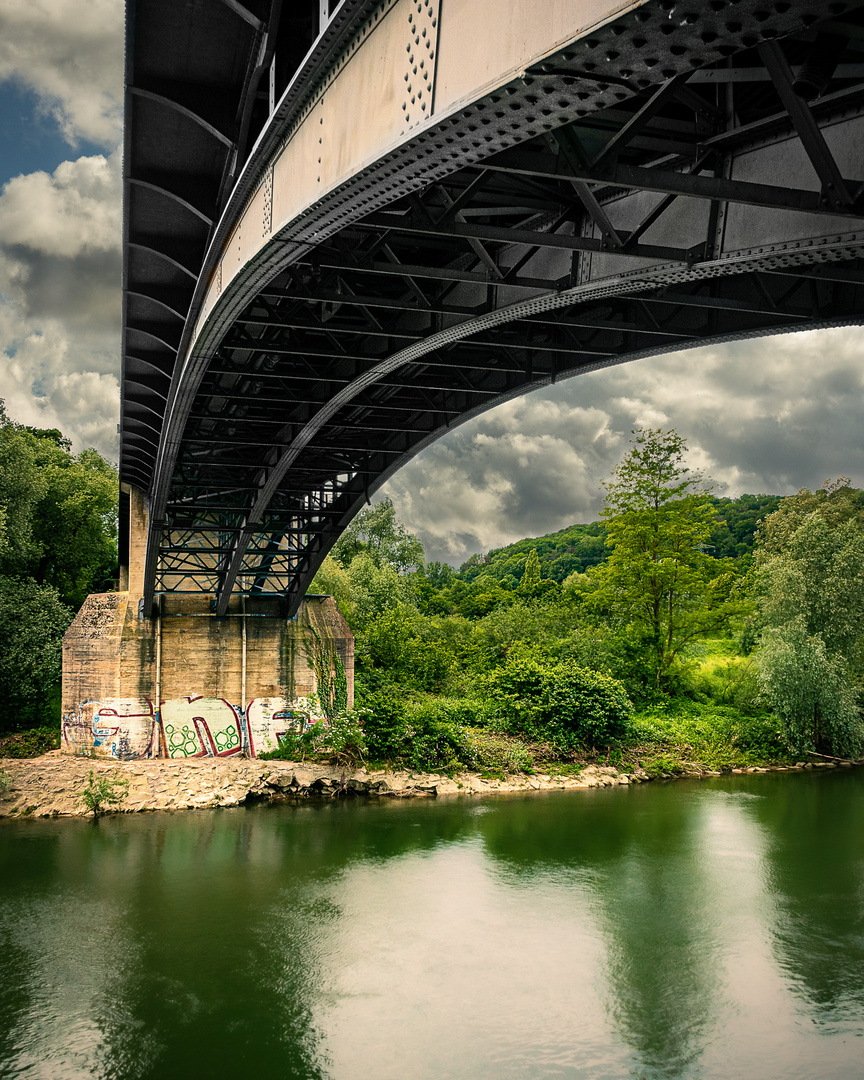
<point>541,646</point>
<point>809,579</point>
<point>681,627</point>
<point>58,542</point>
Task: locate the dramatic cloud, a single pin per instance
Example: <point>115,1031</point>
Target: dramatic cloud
<point>70,54</point>
<point>764,415</point>
<point>60,232</point>
<point>60,299</point>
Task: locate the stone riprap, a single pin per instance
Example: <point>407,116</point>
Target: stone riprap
<point>52,785</point>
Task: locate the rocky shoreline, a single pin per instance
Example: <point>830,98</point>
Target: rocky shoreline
<point>52,785</point>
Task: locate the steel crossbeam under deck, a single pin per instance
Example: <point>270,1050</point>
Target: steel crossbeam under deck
<point>676,175</point>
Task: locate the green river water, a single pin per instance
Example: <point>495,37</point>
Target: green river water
<point>696,929</point>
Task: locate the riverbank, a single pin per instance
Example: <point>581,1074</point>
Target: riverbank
<point>54,785</point>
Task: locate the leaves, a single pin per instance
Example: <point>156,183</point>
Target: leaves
<point>659,578</point>
<point>809,580</point>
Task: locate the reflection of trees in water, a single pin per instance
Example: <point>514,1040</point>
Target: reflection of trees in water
<point>814,829</point>
<point>214,892</point>
<point>638,854</point>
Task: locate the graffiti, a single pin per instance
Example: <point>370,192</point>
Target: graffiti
<point>188,727</point>
<point>269,720</point>
<point>123,728</point>
<point>201,727</point>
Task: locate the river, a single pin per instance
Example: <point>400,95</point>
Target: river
<point>708,929</point>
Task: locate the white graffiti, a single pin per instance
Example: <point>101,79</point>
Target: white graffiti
<point>124,728</point>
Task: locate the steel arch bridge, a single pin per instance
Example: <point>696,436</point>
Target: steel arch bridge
<point>350,228</point>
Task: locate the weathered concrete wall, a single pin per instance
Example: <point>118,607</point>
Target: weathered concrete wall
<point>185,683</point>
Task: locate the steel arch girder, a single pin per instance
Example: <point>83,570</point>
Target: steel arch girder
<point>247,283</point>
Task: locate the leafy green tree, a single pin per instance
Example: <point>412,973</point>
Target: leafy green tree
<point>32,623</point>
<point>375,588</point>
<point>332,580</point>
<point>809,579</point>
<point>531,574</point>
<point>377,533</point>
<point>659,580</point>
<point>59,512</point>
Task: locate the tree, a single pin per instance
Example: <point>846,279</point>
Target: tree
<point>379,534</point>
<point>58,542</point>
<point>58,510</point>
<point>809,580</point>
<point>659,580</point>
<point>32,624</point>
<point>531,573</point>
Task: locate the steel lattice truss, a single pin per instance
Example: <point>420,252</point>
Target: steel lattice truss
<point>411,308</point>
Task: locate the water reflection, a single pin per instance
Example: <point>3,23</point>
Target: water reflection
<point>815,865</point>
<point>638,858</point>
<point>679,931</point>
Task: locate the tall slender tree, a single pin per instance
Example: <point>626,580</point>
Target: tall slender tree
<point>660,579</point>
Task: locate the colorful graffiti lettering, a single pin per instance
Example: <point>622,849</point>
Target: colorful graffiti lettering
<point>187,727</point>
<point>269,720</point>
<point>200,727</point>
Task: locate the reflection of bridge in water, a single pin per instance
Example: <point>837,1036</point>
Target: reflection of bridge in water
<point>346,236</point>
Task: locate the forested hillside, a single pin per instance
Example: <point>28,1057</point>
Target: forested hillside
<point>651,629</point>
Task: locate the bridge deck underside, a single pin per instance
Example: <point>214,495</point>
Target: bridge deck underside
<point>601,241</point>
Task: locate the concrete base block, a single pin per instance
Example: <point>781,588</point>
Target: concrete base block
<point>186,683</point>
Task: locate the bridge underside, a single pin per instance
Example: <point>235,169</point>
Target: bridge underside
<point>588,212</point>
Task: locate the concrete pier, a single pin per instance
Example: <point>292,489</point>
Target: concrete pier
<point>180,681</point>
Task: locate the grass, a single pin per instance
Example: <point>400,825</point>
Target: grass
<point>684,735</point>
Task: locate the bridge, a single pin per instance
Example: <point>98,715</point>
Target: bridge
<point>349,228</point>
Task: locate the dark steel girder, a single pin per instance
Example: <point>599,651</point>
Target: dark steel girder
<point>472,288</point>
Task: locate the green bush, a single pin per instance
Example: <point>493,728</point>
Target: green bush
<point>434,746</point>
<point>340,740</point>
<point>384,726</point>
<point>104,793</point>
<point>488,752</point>
<point>566,705</point>
<point>579,707</point>
<point>29,744</point>
<point>470,712</point>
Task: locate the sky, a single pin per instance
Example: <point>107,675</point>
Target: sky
<point>765,416</point>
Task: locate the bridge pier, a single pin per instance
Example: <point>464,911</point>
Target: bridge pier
<point>180,681</point>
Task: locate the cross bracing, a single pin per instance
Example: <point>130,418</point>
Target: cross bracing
<point>653,218</point>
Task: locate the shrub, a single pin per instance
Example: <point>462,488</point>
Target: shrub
<point>470,712</point>
<point>104,793</point>
<point>485,750</point>
<point>29,744</point>
<point>582,707</point>
<point>434,746</point>
<point>384,726</point>
<point>567,705</point>
<point>340,740</point>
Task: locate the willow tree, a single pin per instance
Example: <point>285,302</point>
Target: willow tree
<point>809,580</point>
<point>659,580</point>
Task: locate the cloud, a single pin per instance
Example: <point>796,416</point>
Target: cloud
<point>60,299</point>
<point>75,211</point>
<point>766,415</point>
<point>70,54</point>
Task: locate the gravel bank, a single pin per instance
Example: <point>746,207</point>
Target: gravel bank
<point>52,785</point>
